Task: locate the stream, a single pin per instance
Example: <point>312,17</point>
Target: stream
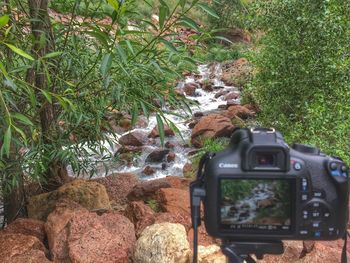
<point>206,103</point>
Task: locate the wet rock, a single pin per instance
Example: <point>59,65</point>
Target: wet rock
<point>221,93</point>
<point>192,124</point>
<point>231,96</point>
<point>210,254</point>
<point>155,133</point>
<point>231,103</point>
<point>238,111</point>
<point>165,242</point>
<point>164,166</point>
<point>118,186</point>
<point>133,139</point>
<point>188,170</point>
<point>207,85</point>
<point>77,235</point>
<point>171,157</point>
<point>222,107</point>
<point>89,194</point>
<point>174,200</point>
<point>146,190</point>
<point>218,87</point>
<point>157,156</point>
<point>27,226</point>
<point>141,215</point>
<point>178,182</point>
<point>190,88</point>
<point>211,126</point>
<point>198,114</point>
<point>169,145</point>
<point>18,246</point>
<point>148,170</point>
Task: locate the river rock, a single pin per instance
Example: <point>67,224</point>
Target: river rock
<point>231,96</point>
<point>146,190</point>
<point>238,111</point>
<point>235,73</point>
<point>77,235</point>
<point>171,157</point>
<point>89,194</point>
<point>27,226</point>
<point>190,88</point>
<point>221,93</point>
<point>157,156</point>
<point>118,186</point>
<point>133,139</point>
<point>167,131</point>
<point>17,247</point>
<point>148,170</point>
<point>169,145</point>
<point>165,242</point>
<point>211,126</point>
<point>188,170</point>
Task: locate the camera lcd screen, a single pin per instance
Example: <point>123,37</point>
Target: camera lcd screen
<point>256,204</point>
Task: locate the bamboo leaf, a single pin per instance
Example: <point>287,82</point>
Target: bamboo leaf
<point>208,10</point>
<point>3,70</point>
<point>21,132</point>
<point>106,64</point>
<point>144,109</point>
<point>114,4</point>
<point>7,142</point>
<point>47,96</point>
<point>100,36</point>
<point>190,23</point>
<point>182,3</point>
<point>163,11</point>
<point>223,39</point>
<point>53,54</point>
<point>160,126</point>
<point>169,45</point>
<point>134,114</point>
<point>121,53</point>
<point>24,119</point>
<point>19,51</point>
<point>4,20</point>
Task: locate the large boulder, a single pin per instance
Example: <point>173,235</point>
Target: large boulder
<point>146,190</point>
<point>27,226</point>
<point>118,186</point>
<point>174,200</point>
<point>165,242</point>
<point>210,254</point>
<point>77,235</point>
<point>190,88</point>
<point>238,111</point>
<point>133,139</point>
<point>211,126</point>
<point>16,247</point>
<point>236,73</point>
<point>89,194</point>
<point>157,156</point>
<point>155,133</point>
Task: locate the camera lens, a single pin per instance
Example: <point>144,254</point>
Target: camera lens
<point>266,159</point>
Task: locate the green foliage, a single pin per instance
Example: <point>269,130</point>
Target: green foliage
<point>303,72</point>
<point>219,53</point>
<point>154,205</point>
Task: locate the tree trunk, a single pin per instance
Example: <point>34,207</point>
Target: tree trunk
<point>56,174</point>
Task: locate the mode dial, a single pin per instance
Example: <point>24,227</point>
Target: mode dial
<point>308,149</point>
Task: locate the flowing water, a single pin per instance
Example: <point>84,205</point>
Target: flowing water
<point>206,103</point>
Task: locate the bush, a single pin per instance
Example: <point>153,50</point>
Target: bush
<point>302,83</point>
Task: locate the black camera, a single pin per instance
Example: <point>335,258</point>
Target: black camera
<point>260,189</point>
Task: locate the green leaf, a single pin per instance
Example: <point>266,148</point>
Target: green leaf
<point>121,53</point>
<point>53,54</point>
<point>144,109</point>
<point>223,39</point>
<point>19,51</point>
<point>190,23</point>
<point>160,126</point>
<point>134,114</point>
<point>130,47</point>
<point>4,20</point>
<point>209,10</point>
<point>114,4</point>
<point>182,3</point>
<point>24,119</point>
<point>7,141</point>
<point>106,64</point>
<point>3,70</point>
<point>21,132</point>
<point>163,11</point>
<point>169,45</point>
<point>100,36</point>
<point>47,96</point>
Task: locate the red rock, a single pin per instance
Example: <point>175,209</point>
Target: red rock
<point>32,256</point>
<point>146,190</point>
<point>292,252</point>
<point>178,182</point>
<point>13,245</point>
<point>192,124</point>
<point>169,145</point>
<point>133,139</point>
<point>190,89</point>
<point>77,235</point>
<point>177,218</point>
<point>174,200</point>
<point>129,149</point>
<point>203,238</point>
<point>167,131</point>
<point>211,126</point>
<point>27,226</point>
<point>198,114</point>
<point>171,157</point>
<point>239,111</point>
<point>221,93</point>
<point>148,170</point>
<point>231,96</point>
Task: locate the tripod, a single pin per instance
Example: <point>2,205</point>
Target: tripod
<point>237,252</point>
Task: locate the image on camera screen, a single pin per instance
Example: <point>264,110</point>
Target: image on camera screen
<point>255,204</point>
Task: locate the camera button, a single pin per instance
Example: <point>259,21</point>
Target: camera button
<point>304,197</point>
<point>304,185</point>
<point>317,234</point>
<point>297,166</point>
<point>316,204</point>
<point>319,194</point>
<point>305,214</point>
<point>316,214</point>
<point>304,232</point>
<point>333,166</point>
<point>326,214</point>
<point>316,224</point>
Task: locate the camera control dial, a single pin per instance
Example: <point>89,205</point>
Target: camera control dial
<point>308,149</point>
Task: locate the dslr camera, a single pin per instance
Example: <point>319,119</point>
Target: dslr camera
<point>260,191</point>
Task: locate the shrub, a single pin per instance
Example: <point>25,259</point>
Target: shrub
<point>302,83</point>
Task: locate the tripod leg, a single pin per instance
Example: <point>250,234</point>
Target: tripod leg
<point>231,255</point>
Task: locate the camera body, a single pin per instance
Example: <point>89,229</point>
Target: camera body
<point>261,189</point>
